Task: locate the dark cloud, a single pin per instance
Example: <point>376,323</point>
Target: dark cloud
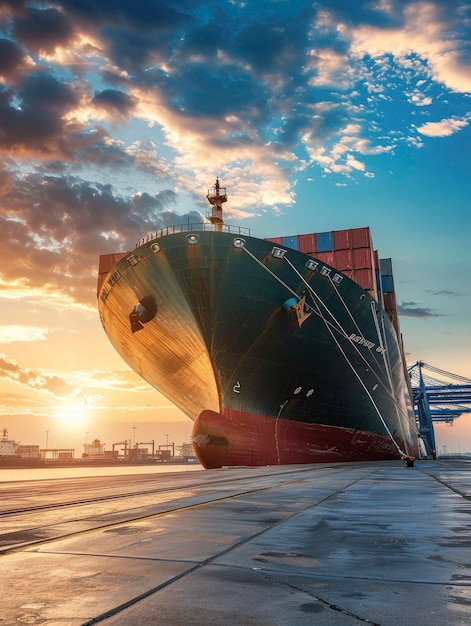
<point>42,30</point>
<point>131,50</point>
<point>248,98</point>
<point>412,309</point>
<point>56,227</point>
<point>37,119</point>
<point>114,101</point>
<point>204,40</point>
<point>12,59</point>
<point>158,15</point>
<point>32,118</point>
<point>253,80</point>
<point>271,48</point>
<point>44,91</point>
<point>443,292</point>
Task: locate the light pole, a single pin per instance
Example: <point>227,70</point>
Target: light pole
<point>134,437</point>
<point>47,437</point>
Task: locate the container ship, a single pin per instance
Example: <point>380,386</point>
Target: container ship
<point>13,454</point>
<point>281,351</point>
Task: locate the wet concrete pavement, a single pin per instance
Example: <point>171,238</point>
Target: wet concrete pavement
<point>369,543</point>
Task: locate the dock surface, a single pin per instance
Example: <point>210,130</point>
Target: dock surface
<point>329,544</point>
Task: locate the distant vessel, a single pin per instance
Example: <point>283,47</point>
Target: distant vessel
<point>281,351</point>
<point>13,454</point>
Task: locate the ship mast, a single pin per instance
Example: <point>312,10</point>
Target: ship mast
<point>216,197</point>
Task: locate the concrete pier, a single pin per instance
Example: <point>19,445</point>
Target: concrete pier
<point>336,544</point>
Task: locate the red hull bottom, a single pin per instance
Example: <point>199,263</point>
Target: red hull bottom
<point>238,438</point>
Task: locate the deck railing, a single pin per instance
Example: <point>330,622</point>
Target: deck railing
<point>188,228</point>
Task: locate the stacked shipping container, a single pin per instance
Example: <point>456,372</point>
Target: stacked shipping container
<point>388,291</point>
<point>350,251</point>
<point>107,262</point>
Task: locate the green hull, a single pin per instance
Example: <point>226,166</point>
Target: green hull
<point>222,328</point>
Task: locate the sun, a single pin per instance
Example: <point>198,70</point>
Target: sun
<point>73,413</point>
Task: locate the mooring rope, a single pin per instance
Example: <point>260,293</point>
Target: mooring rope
<point>330,330</point>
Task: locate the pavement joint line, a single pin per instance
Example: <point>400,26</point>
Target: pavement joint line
<point>442,482</point>
<point>132,601</point>
<point>333,607</point>
<point>36,544</point>
<point>136,494</point>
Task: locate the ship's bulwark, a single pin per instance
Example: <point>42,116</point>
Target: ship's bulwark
<point>223,347</point>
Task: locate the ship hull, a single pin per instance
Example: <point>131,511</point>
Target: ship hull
<point>238,438</point>
<point>276,357</point>
<point>18,462</point>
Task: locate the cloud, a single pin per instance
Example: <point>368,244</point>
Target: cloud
<point>42,30</point>
<point>115,101</point>
<point>422,29</point>
<point>445,127</point>
<point>412,309</point>
<point>10,334</point>
<point>444,292</point>
<point>37,380</point>
<point>112,113</point>
<point>56,239</point>
<point>12,60</point>
<point>117,380</point>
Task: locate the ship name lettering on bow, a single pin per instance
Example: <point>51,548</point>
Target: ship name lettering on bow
<point>361,340</point>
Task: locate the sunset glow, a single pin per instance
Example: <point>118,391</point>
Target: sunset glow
<point>72,414</point>
<point>316,116</point>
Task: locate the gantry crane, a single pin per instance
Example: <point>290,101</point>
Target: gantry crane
<point>436,399</point>
<point>144,443</point>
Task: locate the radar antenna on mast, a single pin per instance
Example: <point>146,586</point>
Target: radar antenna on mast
<point>216,197</point>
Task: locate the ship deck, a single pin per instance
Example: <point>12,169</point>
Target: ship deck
<point>331,544</point>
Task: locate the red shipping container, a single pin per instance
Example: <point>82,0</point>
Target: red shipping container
<point>390,303</point>
<point>278,240</point>
<point>365,278</point>
<point>108,261</point>
<point>376,259</point>
<point>361,237</point>
<point>343,239</point>
<point>326,257</point>
<point>362,258</point>
<point>343,260</point>
<point>349,274</point>
<point>307,243</point>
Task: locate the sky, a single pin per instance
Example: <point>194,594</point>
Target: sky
<point>115,118</point>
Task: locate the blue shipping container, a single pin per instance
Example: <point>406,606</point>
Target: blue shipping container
<point>325,242</point>
<point>386,267</point>
<point>291,242</point>
<point>387,284</point>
